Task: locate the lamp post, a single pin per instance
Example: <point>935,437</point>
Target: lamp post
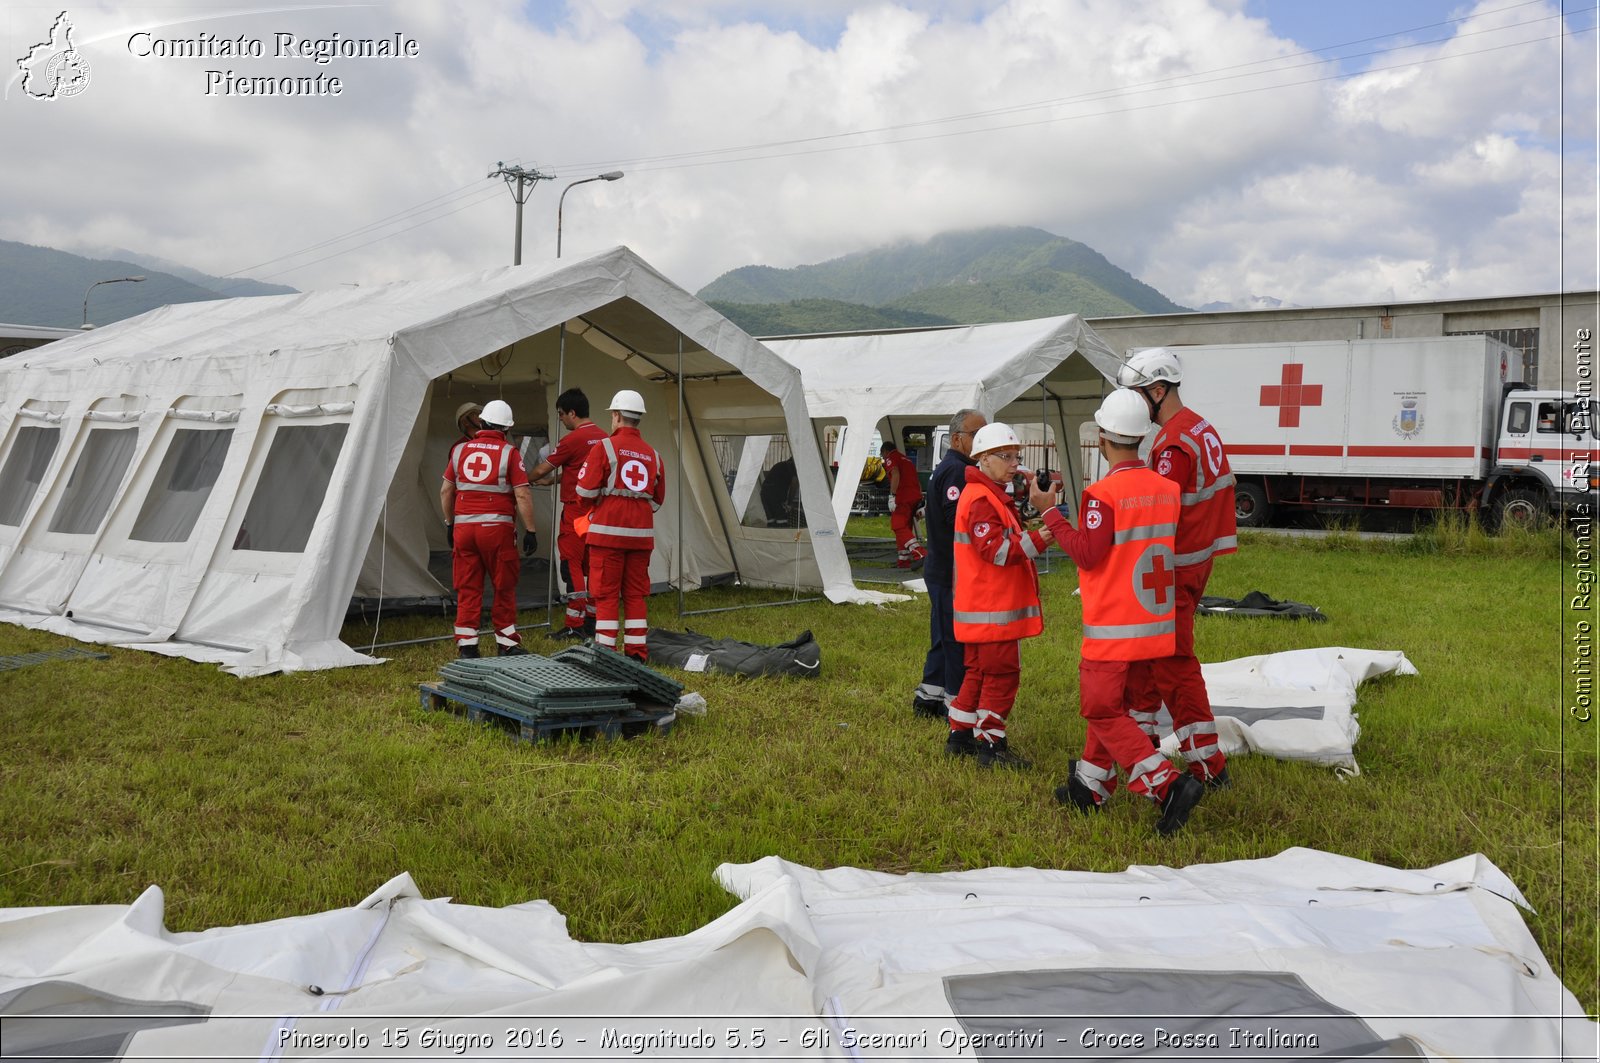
<point>96,284</point>
<point>614,175</point>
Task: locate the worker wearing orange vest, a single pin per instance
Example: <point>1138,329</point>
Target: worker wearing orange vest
<point>996,599</point>
<point>1124,553</point>
<point>1188,451</point>
<point>620,487</point>
<point>485,489</point>
<point>905,503</point>
<point>572,410</point>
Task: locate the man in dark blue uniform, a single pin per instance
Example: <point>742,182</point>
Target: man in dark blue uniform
<point>945,667</point>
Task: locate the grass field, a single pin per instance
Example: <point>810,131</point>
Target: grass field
<point>257,799</point>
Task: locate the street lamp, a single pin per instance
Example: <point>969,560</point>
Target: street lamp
<point>614,175</point>
<point>96,284</point>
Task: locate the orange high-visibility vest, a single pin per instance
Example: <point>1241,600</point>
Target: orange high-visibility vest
<point>1129,600</point>
<point>995,601</point>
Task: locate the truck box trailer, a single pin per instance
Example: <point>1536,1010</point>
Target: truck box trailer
<point>1429,423</point>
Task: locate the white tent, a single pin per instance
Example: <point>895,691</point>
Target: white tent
<point>1016,371</point>
<point>217,480</point>
<point>1304,954</point>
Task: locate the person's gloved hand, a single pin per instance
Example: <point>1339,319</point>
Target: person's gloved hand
<point>530,543</point>
<point>921,512</point>
<point>891,503</point>
<point>450,535</point>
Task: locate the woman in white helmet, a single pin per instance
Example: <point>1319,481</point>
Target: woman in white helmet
<point>996,599</point>
<point>1124,553</point>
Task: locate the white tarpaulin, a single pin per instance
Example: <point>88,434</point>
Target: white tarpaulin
<point>1293,705</point>
<point>1015,371</point>
<point>1298,955</point>
<point>217,480</point>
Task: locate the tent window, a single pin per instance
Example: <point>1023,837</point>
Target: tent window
<point>182,485</point>
<point>95,480</point>
<point>760,476</point>
<point>24,470</point>
<point>293,483</point>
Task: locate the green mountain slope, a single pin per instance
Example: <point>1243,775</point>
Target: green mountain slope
<point>821,315</point>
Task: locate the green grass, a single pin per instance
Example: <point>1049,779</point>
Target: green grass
<point>264,798</point>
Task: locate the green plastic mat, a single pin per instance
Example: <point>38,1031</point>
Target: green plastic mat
<point>652,684</point>
<point>22,660</point>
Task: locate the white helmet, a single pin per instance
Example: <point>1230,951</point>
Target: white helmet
<point>626,401</point>
<point>1154,365</point>
<point>993,437</point>
<point>498,414</point>
<point>1124,415</point>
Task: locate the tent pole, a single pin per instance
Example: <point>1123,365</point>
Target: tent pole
<point>678,491</point>
<point>555,489</point>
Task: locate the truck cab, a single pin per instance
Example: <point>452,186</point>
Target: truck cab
<point>1545,454</point>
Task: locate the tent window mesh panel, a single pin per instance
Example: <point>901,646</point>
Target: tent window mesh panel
<point>182,485</point>
<point>24,470</point>
<point>94,481</point>
<point>294,482</point>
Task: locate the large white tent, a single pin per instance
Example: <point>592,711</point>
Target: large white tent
<point>1015,371</point>
<point>1299,955</point>
<point>217,480</point>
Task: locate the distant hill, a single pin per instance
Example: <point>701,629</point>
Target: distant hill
<point>999,274</point>
<point>227,287</point>
<point>821,315</point>
<point>43,286</point>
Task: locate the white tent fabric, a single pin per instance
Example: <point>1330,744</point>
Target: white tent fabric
<point>861,378</point>
<point>216,480</point>
<point>838,964</point>
<point>1293,705</point>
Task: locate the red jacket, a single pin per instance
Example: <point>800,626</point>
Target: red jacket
<point>486,470</point>
<point>1129,600</point>
<point>1188,451</point>
<point>569,454</point>
<point>910,491</point>
<point>620,487</point>
<point>996,585</point>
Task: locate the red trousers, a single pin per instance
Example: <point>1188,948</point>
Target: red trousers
<point>994,672</point>
<point>574,573</point>
<point>1113,739</point>
<point>906,544</point>
<point>479,550</point>
<point>1177,681</point>
<point>621,582</point>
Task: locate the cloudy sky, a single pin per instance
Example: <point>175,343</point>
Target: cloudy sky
<point>1319,153</point>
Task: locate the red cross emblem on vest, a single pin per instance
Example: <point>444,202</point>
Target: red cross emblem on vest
<point>1157,581</point>
<point>1290,394</point>
<point>477,466</point>
<point>635,475</point>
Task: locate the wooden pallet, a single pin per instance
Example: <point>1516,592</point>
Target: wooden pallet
<point>532,727</point>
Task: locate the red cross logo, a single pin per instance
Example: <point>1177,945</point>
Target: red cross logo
<point>635,475</point>
<point>1157,580</point>
<point>1289,394</point>
<point>477,467</point>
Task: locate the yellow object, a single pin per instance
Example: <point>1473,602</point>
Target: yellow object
<point>874,472</point>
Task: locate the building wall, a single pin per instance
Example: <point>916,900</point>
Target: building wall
<point>1550,325</point>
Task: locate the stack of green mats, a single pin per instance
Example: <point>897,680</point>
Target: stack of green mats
<point>652,685</point>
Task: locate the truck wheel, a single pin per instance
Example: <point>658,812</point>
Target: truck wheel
<point>1522,507</point>
<point>1250,506</point>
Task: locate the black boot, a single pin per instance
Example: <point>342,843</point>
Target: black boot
<point>1184,793</point>
<point>932,708</point>
<point>467,651</point>
<point>513,651</point>
<point>961,744</point>
<point>996,754</point>
<point>1075,792</point>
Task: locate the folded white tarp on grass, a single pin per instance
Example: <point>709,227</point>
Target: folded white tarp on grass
<point>1294,705</point>
<point>1304,953</point>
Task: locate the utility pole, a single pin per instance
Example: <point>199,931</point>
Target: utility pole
<point>521,182</point>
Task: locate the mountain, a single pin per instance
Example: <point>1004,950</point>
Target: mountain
<point>1252,302</point>
<point>43,286</point>
<point>821,315</point>
<point>227,287</point>
<point>997,274</point>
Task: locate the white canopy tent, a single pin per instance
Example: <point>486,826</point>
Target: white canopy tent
<point>217,480</point>
<point>1020,372</point>
<point>1303,954</point>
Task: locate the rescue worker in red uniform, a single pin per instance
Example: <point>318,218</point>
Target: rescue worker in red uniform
<point>467,419</point>
<point>620,486</point>
<point>905,505</point>
<point>1188,451</point>
<point>572,410</point>
<point>485,489</point>
<point>1124,553</point>
<point>996,600</point>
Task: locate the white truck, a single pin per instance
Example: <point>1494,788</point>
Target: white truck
<point>1392,424</point>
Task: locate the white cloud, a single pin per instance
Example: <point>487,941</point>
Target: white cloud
<point>1440,178</point>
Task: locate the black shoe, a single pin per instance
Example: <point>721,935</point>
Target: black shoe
<point>1075,792</point>
<point>569,634</point>
<point>513,651</point>
<point>932,708</point>
<point>467,651</point>
<point>997,755</point>
<point>1184,793</point>
<point>1220,781</point>
<point>588,628</point>
<point>961,744</point>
